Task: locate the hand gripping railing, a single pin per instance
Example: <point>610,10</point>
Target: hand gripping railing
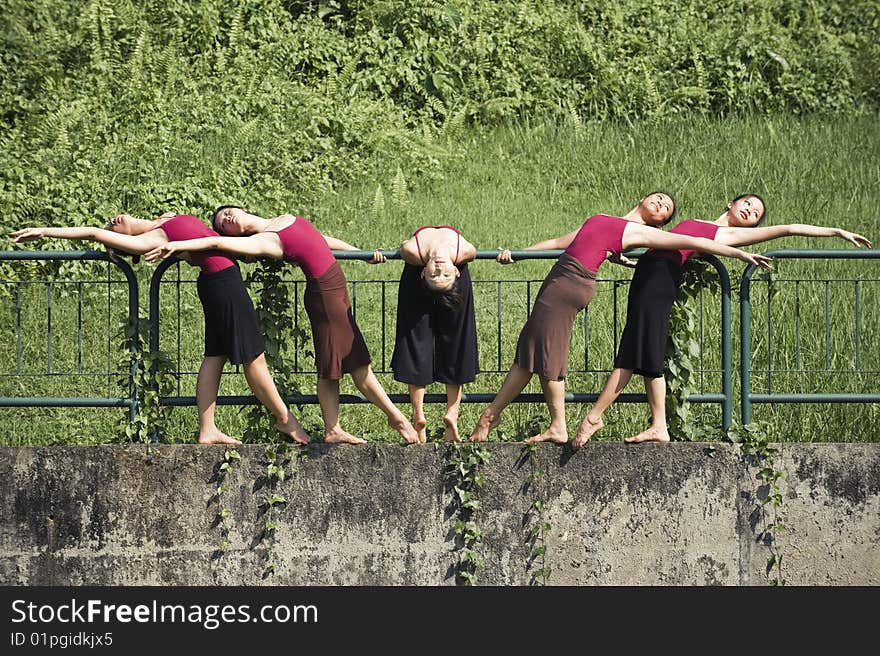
<point>748,397</point>
<point>130,401</point>
<point>724,398</point>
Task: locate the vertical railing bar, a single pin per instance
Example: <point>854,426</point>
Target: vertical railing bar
<point>383,325</point>
<point>797,322</point>
<point>614,314</point>
<point>858,328</point>
<point>769,339</point>
<point>177,293</point>
<point>586,340</point>
<point>18,328</point>
<point>827,324</point>
<point>354,300</point>
<point>702,351</point>
<point>296,324</point>
<point>49,327</point>
<point>109,358</point>
<point>498,322</point>
<point>528,299</point>
<point>79,350</point>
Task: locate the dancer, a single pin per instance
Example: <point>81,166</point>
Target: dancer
<point>232,332</point>
<point>543,344</point>
<point>652,293</point>
<point>339,345</point>
<point>436,334</point>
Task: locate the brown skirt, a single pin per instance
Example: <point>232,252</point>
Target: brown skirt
<point>339,344</point>
<point>543,343</point>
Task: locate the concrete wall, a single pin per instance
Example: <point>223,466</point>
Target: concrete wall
<point>382,514</point>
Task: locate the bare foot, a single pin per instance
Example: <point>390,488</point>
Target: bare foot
<point>487,421</point>
<point>649,435</point>
<point>292,429</point>
<point>406,430</point>
<point>216,437</point>
<point>339,436</point>
<point>420,424</point>
<point>450,429</point>
<point>586,431</point>
<point>552,434</point>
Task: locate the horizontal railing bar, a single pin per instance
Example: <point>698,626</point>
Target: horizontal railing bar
<point>62,402</point>
<point>478,397</point>
<point>814,398</point>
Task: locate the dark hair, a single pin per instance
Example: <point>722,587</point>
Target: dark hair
<point>450,299</point>
<point>674,204</point>
<point>217,211</point>
<point>764,215</point>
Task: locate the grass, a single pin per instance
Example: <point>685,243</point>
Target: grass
<point>519,184</point>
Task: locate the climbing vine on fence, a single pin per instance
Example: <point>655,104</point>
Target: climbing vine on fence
<point>683,349</point>
<point>149,375</point>
<point>463,475</point>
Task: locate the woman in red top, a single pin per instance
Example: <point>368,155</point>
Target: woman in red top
<point>543,344</point>
<point>436,331</point>
<point>339,345</point>
<point>651,295</point>
<point>232,332</point>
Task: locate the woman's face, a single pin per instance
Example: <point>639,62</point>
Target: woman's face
<point>440,274</point>
<point>656,209</point>
<point>229,221</point>
<point>744,212</point>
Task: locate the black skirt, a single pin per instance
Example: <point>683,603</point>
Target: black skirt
<point>231,326</point>
<point>651,295</point>
<point>431,343</point>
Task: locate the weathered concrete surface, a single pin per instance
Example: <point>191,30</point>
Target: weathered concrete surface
<point>680,514</point>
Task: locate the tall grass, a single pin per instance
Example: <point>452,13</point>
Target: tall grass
<point>515,185</point>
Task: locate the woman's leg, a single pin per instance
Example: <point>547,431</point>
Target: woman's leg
<point>655,389</point>
<point>207,386</point>
<point>592,422</point>
<point>417,399</point>
<point>260,381</point>
<point>554,393</point>
<point>365,380</point>
<point>515,382</point>
<point>328,398</point>
<point>450,419</point>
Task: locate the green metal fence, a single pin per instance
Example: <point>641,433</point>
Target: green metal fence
<point>815,356</point>
<point>79,318</point>
<point>496,297</point>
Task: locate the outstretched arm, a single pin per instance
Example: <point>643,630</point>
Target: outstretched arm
<point>636,235</point>
<point>747,236</point>
<point>563,242</point>
<point>259,245</point>
<point>409,253</point>
<point>135,244</point>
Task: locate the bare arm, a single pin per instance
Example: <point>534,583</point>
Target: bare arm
<point>747,236</point>
<point>409,253</point>
<point>563,242</point>
<point>551,244</point>
<point>338,244</point>
<point>259,245</point>
<point>135,244</point>
<point>467,252</point>
<point>636,235</point>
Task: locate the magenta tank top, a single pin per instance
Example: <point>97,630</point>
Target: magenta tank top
<point>599,234</point>
<point>186,226</point>
<point>304,245</point>
<point>691,228</point>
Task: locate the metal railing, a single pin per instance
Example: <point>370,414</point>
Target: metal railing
<point>748,397</point>
<point>382,362</point>
<point>83,310</point>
